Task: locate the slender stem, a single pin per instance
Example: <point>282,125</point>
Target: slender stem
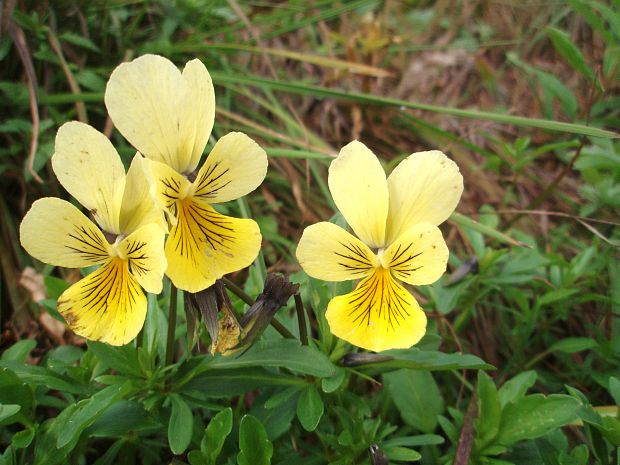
<point>301,319</point>
<point>172,324</point>
<point>279,327</point>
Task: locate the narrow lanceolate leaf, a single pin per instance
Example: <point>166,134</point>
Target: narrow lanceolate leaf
<point>180,426</point>
<point>466,222</point>
<point>254,446</point>
<point>324,92</point>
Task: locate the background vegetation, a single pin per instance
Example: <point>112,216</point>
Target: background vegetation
<point>523,95</point>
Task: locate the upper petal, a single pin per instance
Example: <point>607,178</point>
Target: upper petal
<point>197,111</point>
<point>204,245</point>
<point>419,256</point>
<point>140,203</point>
<point>90,169</point>
<point>328,252</point>
<point>152,104</point>
<point>235,167</point>
<point>56,232</point>
<point>107,305</point>
<point>358,186</point>
<point>378,315</point>
<point>424,188</point>
<point>144,249</point>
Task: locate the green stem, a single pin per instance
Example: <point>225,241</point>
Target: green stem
<point>301,319</point>
<point>172,324</point>
<point>279,327</point>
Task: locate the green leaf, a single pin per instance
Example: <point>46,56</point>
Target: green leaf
<point>310,408</point>
<point>467,222</point>
<point>489,411</point>
<point>19,351</point>
<point>8,410</point>
<point>416,396</point>
<point>332,383</point>
<point>286,353</point>
<point>516,387</point>
<point>254,446</point>
<point>414,441</point>
<point>41,376</point>
<point>431,360</point>
<point>23,438</point>
<point>401,454</point>
<point>570,345</point>
<point>535,415</point>
<point>124,418</point>
<point>123,359</point>
<point>180,426</point>
<point>614,389</point>
<point>88,410</point>
<point>570,52</point>
<point>216,433</point>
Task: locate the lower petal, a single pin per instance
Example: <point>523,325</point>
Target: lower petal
<point>378,315</point>
<point>107,305</point>
<point>204,245</point>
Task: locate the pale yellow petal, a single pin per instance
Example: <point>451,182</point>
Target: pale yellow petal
<point>358,186</point>
<point>144,249</point>
<point>197,111</point>
<point>378,315</point>
<point>424,188</point>
<point>56,232</point>
<point>204,245</point>
<point>140,203</point>
<point>89,168</point>
<point>328,252</point>
<point>235,167</point>
<point>419,256</point>
<point>107,305</point>
<point>170,186</point>
<point>142,98</point>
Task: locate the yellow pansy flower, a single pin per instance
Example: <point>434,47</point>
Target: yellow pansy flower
<point>396,222</point>
<point>168,116</point>
<point>108,305</point>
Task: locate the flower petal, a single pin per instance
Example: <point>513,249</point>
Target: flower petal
<point>56,232</point>
<point>424,188</point>
<point>235,167</point>
<point>358,186</point>
<point>419,256</point>
<point>166,115</point>
<point>328,252</point>
<point>107,305</point>
<point>205,245</point>
<point>144,249</point>
<point>89,168</point>
<point>140,204</point>
<point>378,315</point>
<point>170,186</point>
<point>197,112</point>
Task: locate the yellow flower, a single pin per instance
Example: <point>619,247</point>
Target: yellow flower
<point>396,222</point>
<point>168,116</point>
<point>108,304</point>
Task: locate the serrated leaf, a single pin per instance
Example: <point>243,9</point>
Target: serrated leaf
<point>180,426</point>
<point>254,446</point>
<point>310,408</point>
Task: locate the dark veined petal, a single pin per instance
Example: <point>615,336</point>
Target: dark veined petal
<point>379,314</point>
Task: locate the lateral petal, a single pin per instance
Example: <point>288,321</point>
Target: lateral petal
<point>144,249</point>
<point>56,232</point>
<point>378,315</point>
<point>107,305</point>
<point>142,99</point>
<point>358,186</point>
<point>197,112</point>
<point>90,169</point>
<point>235,167</point>
<point>424,188</point>
<point>170,186</point>
<point>328,252</point>
<point>419,256</point>
<point>140,203</point>
<point>204,245</point>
